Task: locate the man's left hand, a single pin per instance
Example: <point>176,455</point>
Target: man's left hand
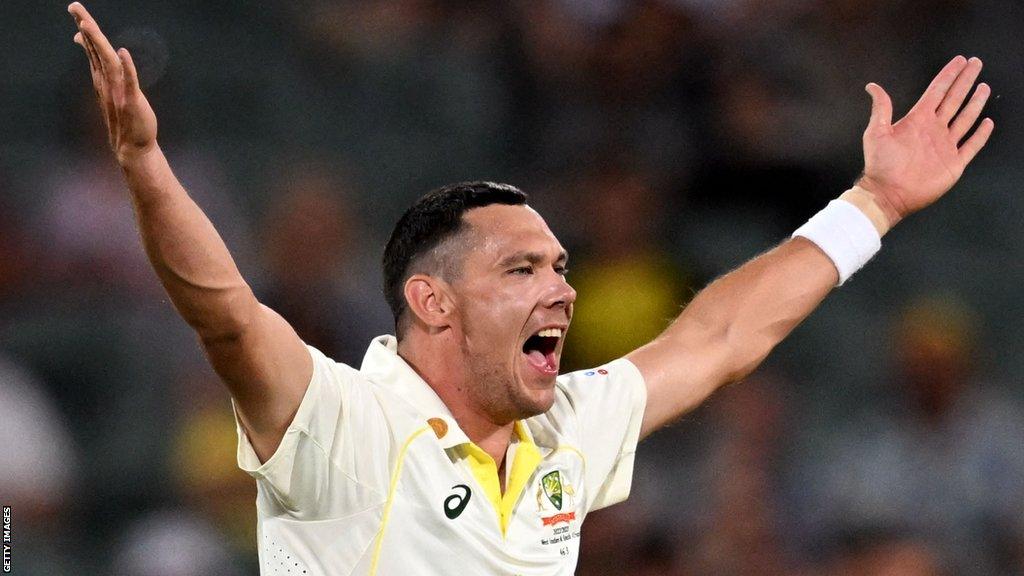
<point>912,163</point>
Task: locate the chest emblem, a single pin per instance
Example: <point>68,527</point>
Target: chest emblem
<point>555,493</point>
<point>556,509</point>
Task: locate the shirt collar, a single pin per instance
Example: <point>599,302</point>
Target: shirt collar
<point>383,366</point>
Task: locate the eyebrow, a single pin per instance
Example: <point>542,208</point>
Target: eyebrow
<point>531,257</point>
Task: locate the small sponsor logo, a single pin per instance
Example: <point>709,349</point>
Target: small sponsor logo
<point>602,372</point>
<point>456,503</point>
<point>589,373</point>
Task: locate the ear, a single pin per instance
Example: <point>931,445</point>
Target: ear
<point>430,300</point>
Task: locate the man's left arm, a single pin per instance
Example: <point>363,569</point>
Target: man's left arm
<point>732,325</point>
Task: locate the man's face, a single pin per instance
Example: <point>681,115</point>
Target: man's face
<point>513,309</point>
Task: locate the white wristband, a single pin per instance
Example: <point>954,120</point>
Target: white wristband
<point>845,234</point>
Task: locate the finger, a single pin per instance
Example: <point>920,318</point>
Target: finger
<point>936,91</point>
<point>80,14</point>
<point>111,91</point>
<point>977,141</point>
<point>95,65</point>
<point>959,91</point>
<point>881,107</point>
<point>106,73</point>
<point>107,57</point>
<point>969,115</point>
<point>131,76</point>
<point>78,11</point>
<point>94,70</point>
<point>80,38</point>
<point>105,79</point>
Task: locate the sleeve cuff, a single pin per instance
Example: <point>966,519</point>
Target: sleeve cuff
<point>246,456</point>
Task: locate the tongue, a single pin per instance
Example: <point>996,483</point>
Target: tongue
<point>537,358</point>
<point>541,360</point>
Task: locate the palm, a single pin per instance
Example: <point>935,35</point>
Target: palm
<point>912,163</point>
<point>131,122</point>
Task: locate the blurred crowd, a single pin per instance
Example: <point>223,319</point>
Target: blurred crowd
<point>666,141</point>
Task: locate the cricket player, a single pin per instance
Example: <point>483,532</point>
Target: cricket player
<point>456,447</point>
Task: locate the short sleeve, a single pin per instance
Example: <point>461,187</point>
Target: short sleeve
<point>313,473</point>
<point>608,403</point>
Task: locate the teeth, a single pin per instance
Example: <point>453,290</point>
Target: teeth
<point>551,332</point>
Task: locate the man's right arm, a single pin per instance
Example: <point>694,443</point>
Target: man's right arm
<point>257,354</point>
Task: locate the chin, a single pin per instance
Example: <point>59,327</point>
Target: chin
<point>535,394</point>
<point>549,401</point>
<point>539,402</point>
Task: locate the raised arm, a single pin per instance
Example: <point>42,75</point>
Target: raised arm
<point>256,352</point>
<point>732,325</point>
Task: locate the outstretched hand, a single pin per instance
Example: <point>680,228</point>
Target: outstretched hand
<point>131,122</point>
<point>912,163</point>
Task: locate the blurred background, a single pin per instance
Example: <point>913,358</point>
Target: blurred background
<point>666,141</point>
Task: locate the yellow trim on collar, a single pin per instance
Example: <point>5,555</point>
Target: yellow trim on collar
<point>526,460</point>
<point>485,470</point>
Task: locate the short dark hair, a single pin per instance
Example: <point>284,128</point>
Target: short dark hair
<point>434,218</point>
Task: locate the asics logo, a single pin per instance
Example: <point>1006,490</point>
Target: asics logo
<point>456,503</point>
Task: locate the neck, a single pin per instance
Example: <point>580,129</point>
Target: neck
<point>443,372</point>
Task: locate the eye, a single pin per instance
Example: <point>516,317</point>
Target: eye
<point>561,270</point>
<point>522,270</point>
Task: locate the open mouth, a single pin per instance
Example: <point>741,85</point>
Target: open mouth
<point>540,350</point>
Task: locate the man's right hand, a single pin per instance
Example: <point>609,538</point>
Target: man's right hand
<point>257,354</point>
<point>131,122</point>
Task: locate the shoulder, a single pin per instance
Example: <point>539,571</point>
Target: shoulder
<point>609,380</point>
<point>325,366</point>
<point>594,393</point>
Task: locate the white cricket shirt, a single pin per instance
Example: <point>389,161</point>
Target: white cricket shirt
<point>374,476</point>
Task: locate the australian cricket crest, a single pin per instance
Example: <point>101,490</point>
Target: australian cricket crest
<point>551,483</point>
<point>556,507</point>
<point>556,498</point>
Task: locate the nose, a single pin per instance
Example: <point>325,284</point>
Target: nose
<point>559,293</point>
